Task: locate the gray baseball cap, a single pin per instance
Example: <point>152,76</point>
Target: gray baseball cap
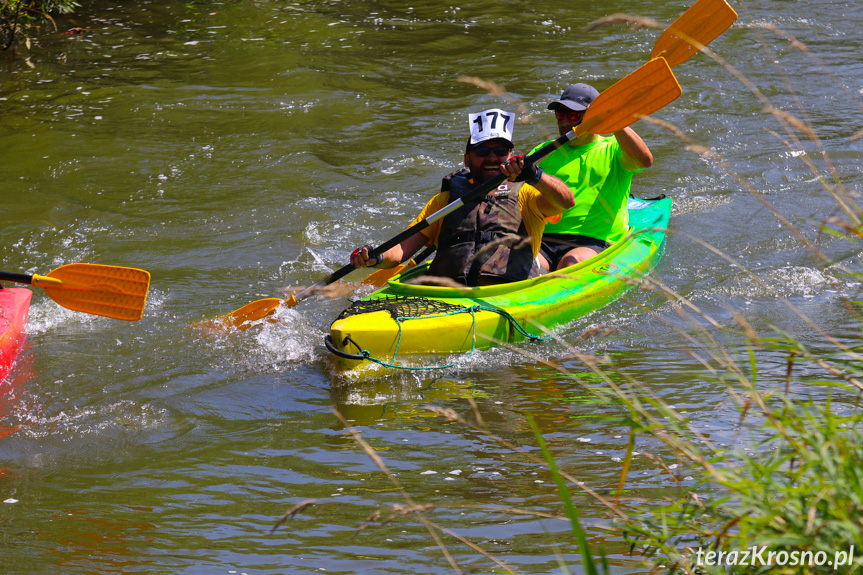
<point>576,97</point>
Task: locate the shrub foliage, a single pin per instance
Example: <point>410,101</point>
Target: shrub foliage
<point>18,17</point>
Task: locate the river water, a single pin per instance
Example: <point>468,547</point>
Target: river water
<point>236,148</point>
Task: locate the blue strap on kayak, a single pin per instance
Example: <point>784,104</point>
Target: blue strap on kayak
<point>472,310</point>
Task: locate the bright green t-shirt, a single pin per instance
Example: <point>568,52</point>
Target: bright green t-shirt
<point>600,183</point>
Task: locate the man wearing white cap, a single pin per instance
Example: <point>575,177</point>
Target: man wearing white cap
<point>599,171</point>
<point>518,208</point>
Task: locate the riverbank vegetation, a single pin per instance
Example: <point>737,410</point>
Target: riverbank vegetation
<point>786,494</point>
<point>19,17</point>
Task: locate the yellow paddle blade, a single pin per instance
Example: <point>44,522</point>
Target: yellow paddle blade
<point>638,94</point>
<point>697,27</point>
<point>243,318</point>
<point>379,278</point>
<point>109,291</point>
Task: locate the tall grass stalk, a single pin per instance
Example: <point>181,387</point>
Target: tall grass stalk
<point>563,490</point>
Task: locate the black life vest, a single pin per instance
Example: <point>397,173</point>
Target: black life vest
<point>490,218</point>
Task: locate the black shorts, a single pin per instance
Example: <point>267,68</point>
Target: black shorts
<point>555,246</point>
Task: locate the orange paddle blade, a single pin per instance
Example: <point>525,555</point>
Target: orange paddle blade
<point>697,27</point>
<point>638,94</point>
<point>379,278</point>
<point>109,291</point>
<point>243,318</point>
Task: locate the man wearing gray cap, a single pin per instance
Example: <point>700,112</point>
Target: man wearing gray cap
<point>598,170</point>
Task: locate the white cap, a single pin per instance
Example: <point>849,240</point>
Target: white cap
<point>490,125</point>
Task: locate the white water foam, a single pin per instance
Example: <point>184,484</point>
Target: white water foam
<point>280,342</point>
<point>45,316</point>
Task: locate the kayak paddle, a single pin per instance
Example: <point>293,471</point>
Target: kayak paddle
<point>109,291</point>
<point>702,23</point>
<point>640,93</point>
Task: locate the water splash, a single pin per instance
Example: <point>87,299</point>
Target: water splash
<point>46,316</point>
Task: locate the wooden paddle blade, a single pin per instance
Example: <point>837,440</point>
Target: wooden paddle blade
<point>697,27</point>
<point>243,318</point>
<point>640,93</point>
<point>109,291</point>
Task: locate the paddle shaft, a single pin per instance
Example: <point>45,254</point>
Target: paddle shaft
<point>17,278</point>
<point>420,258</point>
<point>479,190</point>
<point>37,280</point>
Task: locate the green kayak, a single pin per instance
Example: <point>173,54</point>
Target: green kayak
<point>409,319</point>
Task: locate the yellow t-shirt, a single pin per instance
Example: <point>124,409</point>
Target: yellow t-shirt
<point>534,220</point>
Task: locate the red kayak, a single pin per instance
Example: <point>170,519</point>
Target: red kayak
<point>14,305</point>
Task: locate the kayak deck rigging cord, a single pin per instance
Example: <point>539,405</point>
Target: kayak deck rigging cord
<point>406,308</point>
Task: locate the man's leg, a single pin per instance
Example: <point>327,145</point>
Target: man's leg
<point>576,255</point>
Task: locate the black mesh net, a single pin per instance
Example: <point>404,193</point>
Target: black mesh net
<point>401,306</point>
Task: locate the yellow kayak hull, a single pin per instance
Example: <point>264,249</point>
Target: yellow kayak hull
<point>464,319</point>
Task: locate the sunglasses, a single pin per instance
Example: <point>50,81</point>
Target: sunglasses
<point>571,115</point>
<point>484,151</point>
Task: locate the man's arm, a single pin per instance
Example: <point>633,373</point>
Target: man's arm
<point>635,153</point>
<point>555,198</point>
